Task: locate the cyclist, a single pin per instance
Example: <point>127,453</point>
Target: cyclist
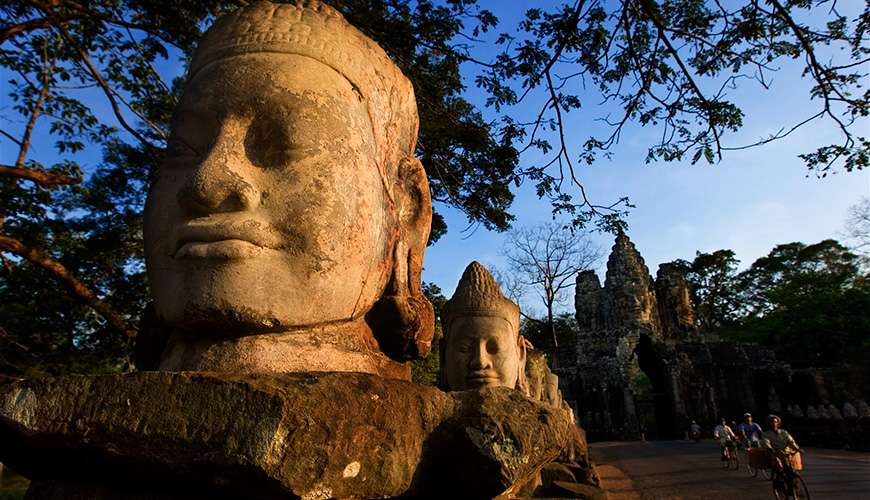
<point>778,439</point>
<point>749,431</point>
<point>784,460</point>
<point>726,437</point>
<point>695,431</point>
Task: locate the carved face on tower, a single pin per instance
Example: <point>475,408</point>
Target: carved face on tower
<point>482,343</point>
<point>289,196</point>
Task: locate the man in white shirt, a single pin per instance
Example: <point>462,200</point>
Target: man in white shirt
<point>725,435</point>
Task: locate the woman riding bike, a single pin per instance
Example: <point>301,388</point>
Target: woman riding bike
<point>787,483</point>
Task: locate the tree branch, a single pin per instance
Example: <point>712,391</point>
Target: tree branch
<point>708,109</point>
<point>78,289</point>
<point>44,179</point>
<point>86,60</point>
<point>24,144</point>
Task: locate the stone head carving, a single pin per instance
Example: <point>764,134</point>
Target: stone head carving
<point>290,199</point>
<point>483,347</point>
<point>849,410</point>
<point>536,373</point>
<point>552,394</point>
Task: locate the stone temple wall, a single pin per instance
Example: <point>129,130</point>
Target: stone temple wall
<point>640,365</point>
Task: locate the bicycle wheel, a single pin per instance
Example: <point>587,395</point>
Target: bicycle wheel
<point>800,488</point>
<point>765,473</point>
<point>736,458</point>
<point>752,471</point>
<point>780,489</point>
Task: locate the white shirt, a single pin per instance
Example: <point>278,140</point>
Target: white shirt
<point>723,433</point>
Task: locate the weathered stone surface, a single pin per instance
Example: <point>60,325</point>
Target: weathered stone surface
<point>536,373</point>
<point>331,435</point>
<point>686,376</point>
<point>639,364</point>
<point>285,229</point>
<point>482,342</point>
<point>676,313</point>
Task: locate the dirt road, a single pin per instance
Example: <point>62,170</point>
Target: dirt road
<point>688,470</point>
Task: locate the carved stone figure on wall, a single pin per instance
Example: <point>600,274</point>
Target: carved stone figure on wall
<point>849,410</point>
<point>536,372</point>
<point>482,344</point>
<point>285,230</point>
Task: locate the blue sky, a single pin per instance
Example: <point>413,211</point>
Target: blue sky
<point>749,202</point>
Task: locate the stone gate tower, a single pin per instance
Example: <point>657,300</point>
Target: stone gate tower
<point>640,365</point>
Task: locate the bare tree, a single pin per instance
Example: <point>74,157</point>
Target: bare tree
<point>543,260</point>
<point>858,228</point>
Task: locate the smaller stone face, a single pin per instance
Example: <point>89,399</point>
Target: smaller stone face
<point>554,397</point>
<point>536,373</point>
<point>483,347</point>
<point>482,351</point>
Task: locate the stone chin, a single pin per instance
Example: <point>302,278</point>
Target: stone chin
<point>251,295</point>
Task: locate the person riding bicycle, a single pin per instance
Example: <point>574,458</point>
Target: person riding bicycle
<point>749,431</point>
<point>695,431</point>
<point>778,439</point>
<point>725,436</point>
<point>785,461</point>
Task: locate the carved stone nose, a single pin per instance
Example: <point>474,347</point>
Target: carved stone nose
<point>480,358</point>
<point>228,193</point>
<point>219,184</point>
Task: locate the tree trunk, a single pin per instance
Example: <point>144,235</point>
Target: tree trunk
<point>552,326</point>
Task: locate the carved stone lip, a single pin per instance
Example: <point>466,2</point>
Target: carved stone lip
<point>481,378</point>
<point>223,237</point>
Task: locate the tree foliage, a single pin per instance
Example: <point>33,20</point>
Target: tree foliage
<point>94,76</point>
<point>426,371</point>
<point>809,303</point>
<point>712,278</point>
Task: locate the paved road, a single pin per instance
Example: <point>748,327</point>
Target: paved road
<point>688,470</point>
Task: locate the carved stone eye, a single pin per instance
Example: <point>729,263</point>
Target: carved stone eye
<point>268,143</point>
<point>492,346</point>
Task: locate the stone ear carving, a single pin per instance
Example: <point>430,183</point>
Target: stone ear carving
<point>522,381</point>
<point>403,320</point>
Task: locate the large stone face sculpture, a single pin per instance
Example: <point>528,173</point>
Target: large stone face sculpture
<point>285,230</point>
<point>483,347</point>
<point>284,236</point>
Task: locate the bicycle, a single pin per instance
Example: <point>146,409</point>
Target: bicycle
<point>755,459</point>
<point>787,482</point>
<point>729,455</point>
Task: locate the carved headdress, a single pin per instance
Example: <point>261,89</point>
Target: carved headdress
<point>478,294</point>
<point>313,29</point>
